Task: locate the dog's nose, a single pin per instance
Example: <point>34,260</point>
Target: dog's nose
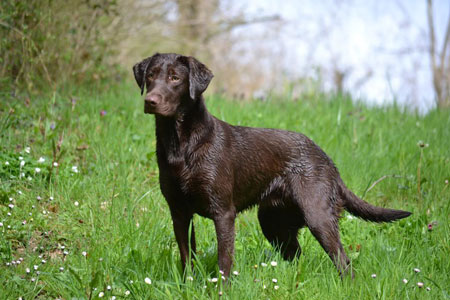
<point>153,99</point>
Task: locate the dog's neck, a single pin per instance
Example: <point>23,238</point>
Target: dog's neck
<point>179,134</point>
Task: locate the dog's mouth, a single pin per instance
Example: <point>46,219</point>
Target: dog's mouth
<point>148,108</point>
<point>161,110</point>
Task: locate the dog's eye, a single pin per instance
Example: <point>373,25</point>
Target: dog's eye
<point>151,76</point>
<point>174,78</point>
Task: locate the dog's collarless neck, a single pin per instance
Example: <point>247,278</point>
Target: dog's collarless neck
<point>179,133</point>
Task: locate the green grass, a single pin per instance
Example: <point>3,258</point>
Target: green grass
<point>123,224</point>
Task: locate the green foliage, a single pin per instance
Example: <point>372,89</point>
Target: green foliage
<point>107,225</point>
<point>45,43</point>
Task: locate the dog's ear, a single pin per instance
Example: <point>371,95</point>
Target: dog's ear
<point>199,77</point>
<point>140,71</point>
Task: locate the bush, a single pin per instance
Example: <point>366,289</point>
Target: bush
<point>46,43</point>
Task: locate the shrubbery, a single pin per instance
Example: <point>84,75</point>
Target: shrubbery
<point>44,43</point>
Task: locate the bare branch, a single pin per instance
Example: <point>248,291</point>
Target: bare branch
<point>432,36</point>
<point>446,43</point>
<point>229,25</point>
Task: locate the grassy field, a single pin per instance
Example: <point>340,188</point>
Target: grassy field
<point>82,215</point>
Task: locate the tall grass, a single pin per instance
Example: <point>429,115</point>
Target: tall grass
<point>107,226</point>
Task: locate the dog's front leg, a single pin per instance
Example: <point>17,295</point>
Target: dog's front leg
<point>224,224</point>
<point>181,223</point>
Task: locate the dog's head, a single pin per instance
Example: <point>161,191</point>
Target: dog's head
<point>174,82</point>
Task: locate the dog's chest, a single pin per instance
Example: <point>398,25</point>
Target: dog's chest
<point>190,179</point>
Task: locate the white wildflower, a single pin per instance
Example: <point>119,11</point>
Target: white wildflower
<point>148,280</point>
<point>273,263</point>
<point>6,163</point>
<point>22,163</point>
<point>27,149</point>
<point>41,160</point>
<point>55,164</point>
<point>263,265</point>
<point>37,170</point>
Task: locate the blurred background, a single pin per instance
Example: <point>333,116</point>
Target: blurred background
<point>374,51</point>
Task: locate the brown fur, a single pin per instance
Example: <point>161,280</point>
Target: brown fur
<point>211,168</point>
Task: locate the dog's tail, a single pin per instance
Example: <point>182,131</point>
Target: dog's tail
<point>360,208</point>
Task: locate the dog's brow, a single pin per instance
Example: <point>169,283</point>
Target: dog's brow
<point>176,68</point>
<point>154,69</point>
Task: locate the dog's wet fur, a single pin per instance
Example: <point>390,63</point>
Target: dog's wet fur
<point>214,169</point>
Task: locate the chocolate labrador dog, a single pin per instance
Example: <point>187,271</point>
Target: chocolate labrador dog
<point>214,169</point>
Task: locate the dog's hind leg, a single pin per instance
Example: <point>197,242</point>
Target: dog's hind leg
<point>320,205</point>
<point>323,224</point>
<point>280,226</point>
<point>326,231</point>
